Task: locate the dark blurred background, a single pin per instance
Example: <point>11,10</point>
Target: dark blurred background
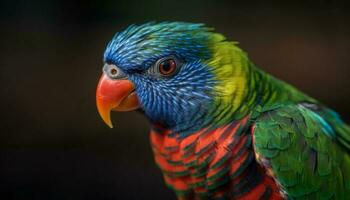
<point>53,145</point>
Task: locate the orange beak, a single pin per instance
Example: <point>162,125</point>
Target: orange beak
<point>116,95</point>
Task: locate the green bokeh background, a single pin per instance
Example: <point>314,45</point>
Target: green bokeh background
<point>53,145</point>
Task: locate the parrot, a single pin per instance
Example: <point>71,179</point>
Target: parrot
<point>221,127</point>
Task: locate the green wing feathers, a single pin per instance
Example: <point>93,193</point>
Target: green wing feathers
<point>307,149</point>
<point>341,130</point>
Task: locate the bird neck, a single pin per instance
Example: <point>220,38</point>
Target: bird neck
<point>241,89</point>
<point>271,92</point>
<point>259,91</point>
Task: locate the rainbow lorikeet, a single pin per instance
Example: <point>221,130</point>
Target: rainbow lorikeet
<point>220,127</point>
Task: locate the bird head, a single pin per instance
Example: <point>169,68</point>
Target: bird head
<point>181,75</point>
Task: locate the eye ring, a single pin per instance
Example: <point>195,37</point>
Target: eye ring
<point>113,72</point>
<point>167,66</point>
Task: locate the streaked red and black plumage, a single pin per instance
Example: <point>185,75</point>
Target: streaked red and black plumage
<point>220,162</point>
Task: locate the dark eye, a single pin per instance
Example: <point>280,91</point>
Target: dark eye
<point>113,72</point>
<point>167,67</point>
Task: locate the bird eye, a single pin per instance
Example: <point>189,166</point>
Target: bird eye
<point>113,72</point>
<point>166,66</point>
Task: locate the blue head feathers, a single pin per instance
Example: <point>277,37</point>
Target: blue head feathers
<point>179,100</point>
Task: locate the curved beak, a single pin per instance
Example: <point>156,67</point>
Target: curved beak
<point>116,95</point>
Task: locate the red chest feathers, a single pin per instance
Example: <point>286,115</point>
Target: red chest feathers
<point>212,163</point>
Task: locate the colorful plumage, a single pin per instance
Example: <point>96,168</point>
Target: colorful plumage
<point>222,128</point>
